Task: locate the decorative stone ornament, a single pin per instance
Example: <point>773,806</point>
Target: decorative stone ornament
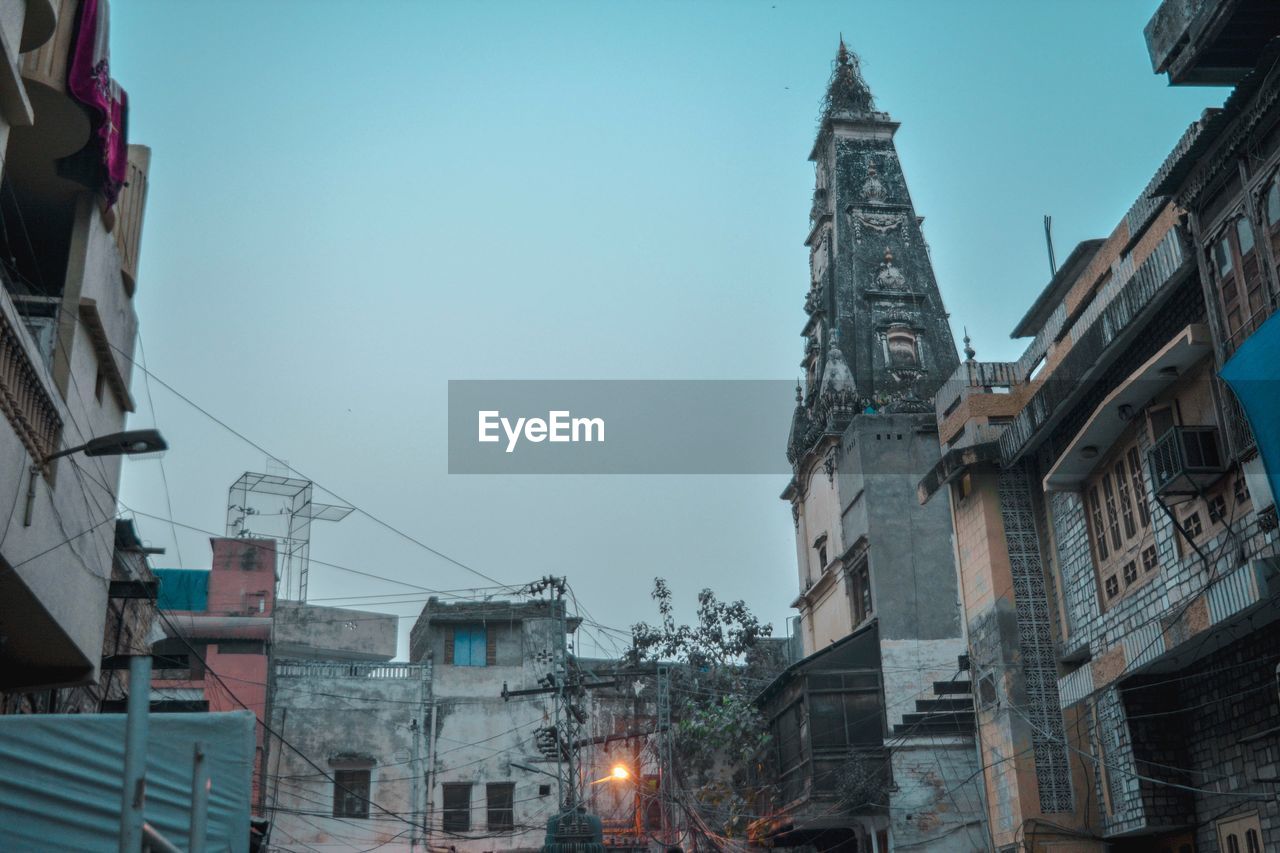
<point>881,223</point>
<point>890,277</point>
<point>873,188</point>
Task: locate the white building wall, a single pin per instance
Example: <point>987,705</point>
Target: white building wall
<point>336,714</point>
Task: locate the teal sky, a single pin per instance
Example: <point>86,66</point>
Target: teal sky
<point>352,203</point>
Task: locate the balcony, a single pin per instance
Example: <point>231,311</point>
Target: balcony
<point>1186,460</point>
<point>1097,339</point>
<point>25,397</point>
<point>62,125</point>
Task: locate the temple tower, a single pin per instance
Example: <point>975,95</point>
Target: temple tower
<point>876,568</point>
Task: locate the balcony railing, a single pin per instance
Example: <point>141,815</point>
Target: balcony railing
<point>1091,335</point>
<point>307,669</point>
<point>1186,460</point>
<point>24,398</point>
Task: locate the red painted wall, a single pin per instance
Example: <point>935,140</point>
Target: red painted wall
<point>242,583</point>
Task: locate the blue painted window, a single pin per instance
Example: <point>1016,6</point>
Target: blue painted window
<point>469,645</point>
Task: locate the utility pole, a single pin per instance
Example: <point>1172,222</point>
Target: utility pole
<point>416,771</point>
<point>133,791</point>
<point>665,762</point>
<point>565,685</point>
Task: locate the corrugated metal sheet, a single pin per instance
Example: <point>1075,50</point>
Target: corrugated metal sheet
<point>1233,593</point>
<point>60,778</point>
<point>1143,645</point>
<point>1075,686</point>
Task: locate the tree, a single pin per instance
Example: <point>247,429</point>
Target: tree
<point>724,660</point>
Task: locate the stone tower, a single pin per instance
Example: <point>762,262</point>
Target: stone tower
<point>876,327</point>
<point>876,568</point>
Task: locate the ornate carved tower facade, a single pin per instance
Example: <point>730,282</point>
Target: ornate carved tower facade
<point>877,329</point>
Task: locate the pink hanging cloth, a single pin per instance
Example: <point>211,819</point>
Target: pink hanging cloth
<point>89,81</point>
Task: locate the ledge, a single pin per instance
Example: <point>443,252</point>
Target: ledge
<point>1109,419</point>
<point>106,358</point>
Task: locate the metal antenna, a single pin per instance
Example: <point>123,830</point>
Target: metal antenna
<point>1048,239</point>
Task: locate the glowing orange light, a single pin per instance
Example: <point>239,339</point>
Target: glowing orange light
<point>620,772</point>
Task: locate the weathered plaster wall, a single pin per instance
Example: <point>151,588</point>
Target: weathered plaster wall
<point>338,712</point>
<point>309,631</point>
<point>937,806</point>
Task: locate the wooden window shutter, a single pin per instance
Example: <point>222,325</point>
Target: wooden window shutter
<point>490,648</point>
<point>448,646</point>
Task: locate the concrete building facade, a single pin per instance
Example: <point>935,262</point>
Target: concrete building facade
<point>67,326</point>
<point>1112,504</point>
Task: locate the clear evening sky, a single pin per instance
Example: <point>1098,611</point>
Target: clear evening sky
<point>352,203</point>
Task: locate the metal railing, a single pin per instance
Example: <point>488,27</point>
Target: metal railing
<point>329,669</point>
<point>24,398</point>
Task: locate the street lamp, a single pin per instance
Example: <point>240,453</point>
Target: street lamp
<point>128,443</point>
<point>619,773</point>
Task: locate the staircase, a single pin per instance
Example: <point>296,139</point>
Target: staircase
<point>949,711</point>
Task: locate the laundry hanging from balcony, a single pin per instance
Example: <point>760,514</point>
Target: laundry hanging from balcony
<point>1251,374</point>
<point>89,81</point>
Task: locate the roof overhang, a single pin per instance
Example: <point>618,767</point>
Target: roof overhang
<point>1056,289</point>
<point>1113,414</point>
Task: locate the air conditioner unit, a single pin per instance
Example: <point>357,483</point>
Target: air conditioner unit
<point>1186,460</point>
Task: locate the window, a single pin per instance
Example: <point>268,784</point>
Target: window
<point>1126,505</point>
<point>1149,562</point>
<point>1242,834</point>
<point>469,645</point>
<point>860,592</point>
<point>1115,502</point>
<point>1139,486</point>
<point>1238,275</point>
<point>544,790</point>
<point>456,815</point>
<point>844,711</point>
<point>1241,490</point>
<point>1217,509</point>
<point>351,793</point>
<point>501,802</point>
<point>1192,525</point>
<point>1095,514</point>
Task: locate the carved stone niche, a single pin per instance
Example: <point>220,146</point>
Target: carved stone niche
<point>901,345</point>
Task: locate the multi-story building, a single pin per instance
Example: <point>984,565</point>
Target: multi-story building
<point>301,669</point>
<point>219,624</point>
<point>1114,520</point>
<point>881,695</point>
<point>462,748</point>
<point>493,769</point>
<point>74,193</point>
<point>347,769</point>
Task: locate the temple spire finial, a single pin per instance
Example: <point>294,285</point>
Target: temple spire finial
<point>847,91</point>
<point>969,351</point>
